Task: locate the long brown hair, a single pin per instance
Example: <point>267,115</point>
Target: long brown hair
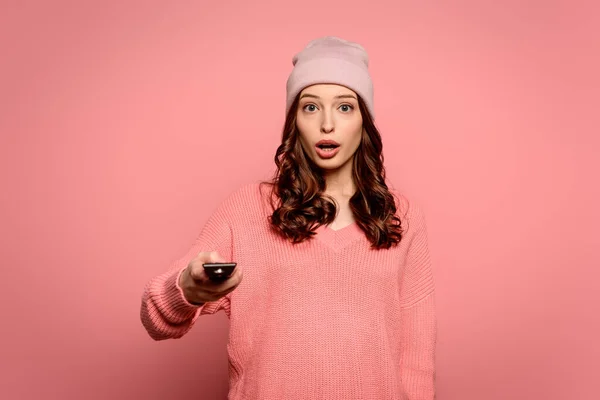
<point>297,196</point>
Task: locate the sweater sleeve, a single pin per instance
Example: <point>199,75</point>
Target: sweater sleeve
<point>418,316</point>
<point>165,312</point>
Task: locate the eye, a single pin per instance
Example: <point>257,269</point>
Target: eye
<point>309,107</point>
<point>346,108</point>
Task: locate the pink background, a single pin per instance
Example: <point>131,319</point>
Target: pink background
<point>123,124</point>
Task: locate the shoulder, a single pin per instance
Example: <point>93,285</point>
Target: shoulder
<point>247,199</point>
<point>251,191</point>
<point>409,210</point>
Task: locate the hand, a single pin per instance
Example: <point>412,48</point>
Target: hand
<point>196,285</point>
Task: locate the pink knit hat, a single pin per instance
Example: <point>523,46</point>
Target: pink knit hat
<point>331,60</point>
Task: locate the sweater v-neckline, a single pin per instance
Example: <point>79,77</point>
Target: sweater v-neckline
<point>338,239</point>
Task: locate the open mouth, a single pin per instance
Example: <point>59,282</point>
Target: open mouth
<point>327,147</point>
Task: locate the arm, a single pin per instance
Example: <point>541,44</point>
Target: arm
<point>419,324</point>
<point>165,312</point>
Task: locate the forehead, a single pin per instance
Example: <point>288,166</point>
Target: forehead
<point>327,90</point>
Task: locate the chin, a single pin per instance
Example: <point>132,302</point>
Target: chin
<point>329,165</point>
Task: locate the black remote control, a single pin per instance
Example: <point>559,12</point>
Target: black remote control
<point>219,272</point>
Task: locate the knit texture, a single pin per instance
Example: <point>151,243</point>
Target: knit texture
<point>330,59</point>
<point>329,318</point>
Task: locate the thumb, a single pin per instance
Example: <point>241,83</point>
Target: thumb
<point>215,257</point>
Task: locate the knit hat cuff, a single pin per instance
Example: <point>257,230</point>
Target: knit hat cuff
<point>330,70</point>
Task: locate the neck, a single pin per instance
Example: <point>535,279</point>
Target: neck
<point>339,182</point>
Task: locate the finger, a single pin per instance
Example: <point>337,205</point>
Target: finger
<point>197,273</point>
<point>215,257</point>
<point>237,273</point>
<point>226,292</point>
<point>204,257</point>
<point>234,277</point>
<point>232,281</point>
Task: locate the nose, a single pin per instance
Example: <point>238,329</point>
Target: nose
<point>327,125</point>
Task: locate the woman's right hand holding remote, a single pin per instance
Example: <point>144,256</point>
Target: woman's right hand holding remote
<point>197,286</point>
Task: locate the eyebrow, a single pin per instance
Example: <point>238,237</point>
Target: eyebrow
<point>341,96</point>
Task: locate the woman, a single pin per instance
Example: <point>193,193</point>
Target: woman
<point>333,294</point>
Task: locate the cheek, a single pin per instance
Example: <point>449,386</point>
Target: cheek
<point>356,137</point>
<point>304,132</point>
<point>303,139</point>
<point>303,142</point>
<point>354,128</point>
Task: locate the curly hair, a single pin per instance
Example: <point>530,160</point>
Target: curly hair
<point>298,199</point>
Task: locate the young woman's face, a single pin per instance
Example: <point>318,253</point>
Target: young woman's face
<point>328,112</point>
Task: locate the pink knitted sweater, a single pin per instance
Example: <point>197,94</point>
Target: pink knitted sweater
<point>328,318</point>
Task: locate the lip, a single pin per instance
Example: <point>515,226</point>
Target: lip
<point>326,154</point>
<point>327,141</point>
